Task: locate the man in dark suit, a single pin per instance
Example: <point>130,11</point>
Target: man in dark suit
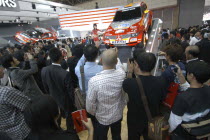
<point>57,83</point>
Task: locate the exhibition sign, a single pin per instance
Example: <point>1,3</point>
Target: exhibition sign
<point>9,5</point>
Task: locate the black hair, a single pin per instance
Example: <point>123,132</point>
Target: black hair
<point>40,114</point>
<point>27,48</point>
<point>49,42</point>
<point>194,52</point>
<point>186,37</point>
<point>94,24</point>
<point>173,33</point>
<point>55,54</point>
<point>146,61</point>
<point>137,52</point>
<point>91,53</point>
<point>175,41</point>
<point>200,69</point>
<point>6,60</point>
<point>164,30</point>
<point>77,51</point>
<point>174,51</point>
<point>165,36</point>
<point>64,42</point>
<point>19,55</point>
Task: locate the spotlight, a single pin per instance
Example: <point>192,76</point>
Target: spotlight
<point>54,7</point>
<point>29,22</point>
<point>17,19</point>
<point>33,6</point>
<point>37,18</point>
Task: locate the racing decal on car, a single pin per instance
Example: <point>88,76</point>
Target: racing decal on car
<point>129,25</point>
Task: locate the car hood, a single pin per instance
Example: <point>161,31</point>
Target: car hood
<point>124,24</point>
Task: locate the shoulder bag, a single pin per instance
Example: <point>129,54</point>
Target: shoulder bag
<point>157,126</point>
<point>79,94</point>
<point>200,128</point>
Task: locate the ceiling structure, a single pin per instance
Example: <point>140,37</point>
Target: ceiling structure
<point>71,2</point>
<point>34,10</point>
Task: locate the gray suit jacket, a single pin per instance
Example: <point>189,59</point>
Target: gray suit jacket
<point>24,80</point>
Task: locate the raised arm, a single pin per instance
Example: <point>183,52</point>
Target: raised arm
<point>81,62</point>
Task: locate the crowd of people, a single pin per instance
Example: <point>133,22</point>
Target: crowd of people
<point>38,83</point>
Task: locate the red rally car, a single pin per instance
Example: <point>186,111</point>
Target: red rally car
<point>34,35</point>
<point>130,26</point>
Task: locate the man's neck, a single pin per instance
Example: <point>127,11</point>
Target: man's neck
<point>108,68</point>
<point>195,84</point>
<point>171,63</point>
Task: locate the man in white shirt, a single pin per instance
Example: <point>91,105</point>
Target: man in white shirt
<point>195,39</point>
<point>104,99</point>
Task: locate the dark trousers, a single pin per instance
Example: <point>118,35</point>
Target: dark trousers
<point>69,121</point>
<point>101,131</point>
<point>135,131</point>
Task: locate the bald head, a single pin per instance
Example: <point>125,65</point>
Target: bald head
<point>192,52</point>
<point>109,58</point>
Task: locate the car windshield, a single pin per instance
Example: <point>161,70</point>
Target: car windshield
<point>128,14</point>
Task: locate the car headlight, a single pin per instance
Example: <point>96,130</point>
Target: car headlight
<point>134,35</point>
<point>106,37</point>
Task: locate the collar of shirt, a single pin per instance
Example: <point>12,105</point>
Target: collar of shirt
<point>56,64</point>
<point>106,71</point>
<point>13,68</point>
<point>192,60</point>
<point>90,63</point>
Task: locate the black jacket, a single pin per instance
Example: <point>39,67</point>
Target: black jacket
<point>57,83</point>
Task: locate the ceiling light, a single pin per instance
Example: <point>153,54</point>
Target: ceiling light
<point>37,18</point>
<point>33,6</point>
<point>54,7</point>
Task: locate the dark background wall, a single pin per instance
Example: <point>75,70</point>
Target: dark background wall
<point>191,12</point>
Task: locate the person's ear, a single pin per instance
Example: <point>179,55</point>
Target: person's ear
<point>116,61</point>
<point>136,64</point>
<point>101,61</point>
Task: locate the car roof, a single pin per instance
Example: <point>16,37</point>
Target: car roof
<point>135,4</point>
<point>42,30</point>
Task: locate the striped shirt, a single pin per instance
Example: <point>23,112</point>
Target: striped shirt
<point>105,99</point>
